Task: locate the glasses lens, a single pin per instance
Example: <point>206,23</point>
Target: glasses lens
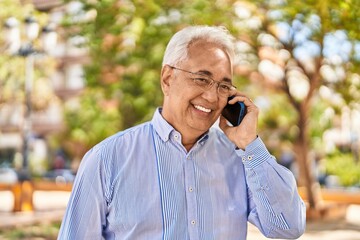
<point>224,89</point>
<point>203,82</point>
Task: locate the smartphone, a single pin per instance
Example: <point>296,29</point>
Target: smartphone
<point>234,113</point>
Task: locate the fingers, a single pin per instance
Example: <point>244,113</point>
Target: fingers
<point>242,98</point>
<point>251,109</point>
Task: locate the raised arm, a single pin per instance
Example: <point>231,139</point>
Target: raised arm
<point>275,206</point>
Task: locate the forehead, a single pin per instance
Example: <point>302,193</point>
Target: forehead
<point>203,55</point>
<point>203,48</point>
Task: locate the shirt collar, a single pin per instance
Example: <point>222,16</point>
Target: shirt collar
<point>164,129</point>
<point>161,126</point>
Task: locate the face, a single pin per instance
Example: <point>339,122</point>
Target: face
<point>187,107</point>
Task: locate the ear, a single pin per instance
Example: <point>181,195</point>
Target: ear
<point>166,74</point>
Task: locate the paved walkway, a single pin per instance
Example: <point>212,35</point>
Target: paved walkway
<point>346,229</point>
<point>50,206</point>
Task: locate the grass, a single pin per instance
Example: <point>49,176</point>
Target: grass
<point>43,231</point>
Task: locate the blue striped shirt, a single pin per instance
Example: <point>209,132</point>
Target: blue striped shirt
<point>141,183</point>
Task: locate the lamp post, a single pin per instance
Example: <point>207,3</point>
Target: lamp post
<point>25,48</point>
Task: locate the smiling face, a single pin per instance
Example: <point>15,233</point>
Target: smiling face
<point>187,107</point>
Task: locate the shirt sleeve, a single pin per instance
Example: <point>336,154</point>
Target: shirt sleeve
<point>275,206</point>
<point>85,214</point>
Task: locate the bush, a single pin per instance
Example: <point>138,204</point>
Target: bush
<point>343,166</point>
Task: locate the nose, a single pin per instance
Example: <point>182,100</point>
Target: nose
<point>211,94</point>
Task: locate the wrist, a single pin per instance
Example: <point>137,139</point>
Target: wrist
<point>243,143</point>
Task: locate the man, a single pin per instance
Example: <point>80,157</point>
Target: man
<point>175,177</point>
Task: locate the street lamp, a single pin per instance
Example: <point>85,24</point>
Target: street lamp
<point>15,46</point>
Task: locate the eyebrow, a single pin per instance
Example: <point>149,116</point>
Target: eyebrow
<point>208,73</point>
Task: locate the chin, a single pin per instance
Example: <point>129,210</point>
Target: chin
<point>201,127</point>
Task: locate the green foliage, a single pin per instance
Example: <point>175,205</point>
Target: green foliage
<point>321,120</point>
<point>99,118</point>
<point>11,79</point>
<point>12,7</point>
<point>37,231</point>
<point>127,40</point>
<point>343,166</point>
<point>277,118</point>
<point>303,22</point>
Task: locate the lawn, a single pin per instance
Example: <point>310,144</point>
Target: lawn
<point>44,231</point>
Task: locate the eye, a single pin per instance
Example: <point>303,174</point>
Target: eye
<point>202,81</point>
<point>225,87</point>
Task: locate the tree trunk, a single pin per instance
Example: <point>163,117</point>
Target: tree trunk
<point>306,177</point>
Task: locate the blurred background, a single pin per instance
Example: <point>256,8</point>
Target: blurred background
<point>74,72</point>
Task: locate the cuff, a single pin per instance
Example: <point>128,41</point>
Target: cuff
<point>254,154</point>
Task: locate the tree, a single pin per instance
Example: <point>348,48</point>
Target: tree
<point>302,49</point>
<point>126,41</point>
<point>284,46</point>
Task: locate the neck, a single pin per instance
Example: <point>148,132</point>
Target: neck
<point>189,142</point>
<point>188,136</point>
<point>189,145</point>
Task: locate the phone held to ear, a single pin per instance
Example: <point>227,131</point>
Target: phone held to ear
<point>234,113</point>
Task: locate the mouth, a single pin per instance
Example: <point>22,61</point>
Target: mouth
<point>203,109</point>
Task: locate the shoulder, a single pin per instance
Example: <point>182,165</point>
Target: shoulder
<point>114,147</point>
<point>125,137</point>
<point>108,157</point>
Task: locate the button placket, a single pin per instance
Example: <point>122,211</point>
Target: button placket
<point>191,197</point>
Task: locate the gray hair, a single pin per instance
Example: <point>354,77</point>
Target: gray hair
<point>177,48</point>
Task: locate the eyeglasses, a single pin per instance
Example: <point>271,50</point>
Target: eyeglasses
<point>205,82</point>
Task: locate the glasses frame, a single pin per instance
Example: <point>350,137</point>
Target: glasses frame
<point>232,87</point>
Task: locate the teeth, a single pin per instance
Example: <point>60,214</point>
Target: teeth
<point>202,108</point>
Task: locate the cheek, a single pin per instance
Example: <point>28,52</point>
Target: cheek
<point>222,102</point>
<point>181,93</point>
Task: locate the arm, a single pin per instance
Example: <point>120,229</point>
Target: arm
<point>85,214</point>
<point>275,206</point>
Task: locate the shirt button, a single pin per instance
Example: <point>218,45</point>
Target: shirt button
<point>193,222</point>
<point>191,189</point>
<point>250,157</point>
<point>176,137</point>
<point>243,158</point>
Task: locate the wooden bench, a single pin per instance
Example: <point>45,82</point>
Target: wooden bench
<point>23,192</point>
